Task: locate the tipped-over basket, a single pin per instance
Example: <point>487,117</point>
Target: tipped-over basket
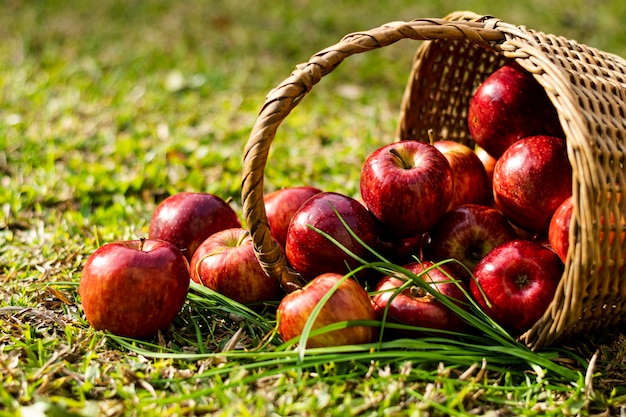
<point>588,89</point>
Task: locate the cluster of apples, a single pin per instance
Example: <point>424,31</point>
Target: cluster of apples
<point>485,212</point>
<point>135,288</point>
<point>471,221</point>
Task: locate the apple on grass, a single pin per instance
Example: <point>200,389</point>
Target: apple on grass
<point>510,105</point>
<point>311,253</point>
<point>417,307</point>
<point>531,179</point>
<point>281,205</point>
<point>349,302</point>
<point>516,282</point>
<point>466,234</point>
<point>408,186</point>
<point>226,263</point>
<point>471,183</point>
<point>187,218</point>
<point>134,288</point>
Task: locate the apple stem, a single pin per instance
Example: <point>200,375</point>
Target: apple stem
<point>142,240</point>
<point>431,136</point>
<point>395,153</point>
<point>242,238</point>
<point>417,292</point>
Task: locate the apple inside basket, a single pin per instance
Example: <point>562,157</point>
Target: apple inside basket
<point>530,168</point>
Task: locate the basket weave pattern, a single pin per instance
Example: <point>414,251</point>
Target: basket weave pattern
<point>588,89</point>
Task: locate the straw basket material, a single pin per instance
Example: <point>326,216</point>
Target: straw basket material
<point>588,89</point>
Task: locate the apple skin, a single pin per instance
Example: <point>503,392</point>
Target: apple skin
<point>134,288</point>
<point>489,162</point>
<point>310,253</point>
<point>519,279</point>
<point>186,219</point>
<point>281,205</point>
<point>349,302</point>
<point>531,179</point>
<point>408,186</point>
<point>510,105</point>
<point>414,306</point>
<point>400,250</point>
<point>558,231</point>
<point>560,224</point>
<point>226,263</point>
<point>471,183</point>
<point>467,234</point>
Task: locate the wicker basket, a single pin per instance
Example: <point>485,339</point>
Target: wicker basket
<point>588,89</point>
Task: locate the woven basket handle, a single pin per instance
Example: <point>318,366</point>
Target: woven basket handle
<point>282,99</point>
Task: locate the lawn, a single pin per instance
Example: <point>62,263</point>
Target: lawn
<point>107,107</point>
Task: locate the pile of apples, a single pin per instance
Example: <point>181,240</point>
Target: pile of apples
<point>489,222</point>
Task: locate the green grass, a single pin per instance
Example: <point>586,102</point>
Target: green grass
<point>107,107</point>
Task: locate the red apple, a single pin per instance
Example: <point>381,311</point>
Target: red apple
<point>518,281</point>
<point>134,288</point>
<point>467,234</point>
<point>311,253</point>
<point>531,179</point>
<point>281,205</point>
<point>510,105</point>
<point>489,162</point>
<point>186,219</point>
<point>560,224</point>
<point>471,183</point>
<point>558,231</point>
<point>400,250</point>
<point>349,302</point>
<point>408,186</point>
<point>415,306</point>
<point>226,263</point>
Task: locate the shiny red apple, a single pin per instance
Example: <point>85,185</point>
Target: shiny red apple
<point>516,282</point>
<point>187,218</point>
<point>226,263</point>
<point>531,179</point>
<point>560,224</point>
<point>467,234</point>
<point>510,105</point>
<point>349,302</point>
<point>281,205</point>
<point>471,183</point>
<point>408,186</point>
<point>414,306</point>
<point>558,231</point>
<point>134,288</point>
<point>311,253</point>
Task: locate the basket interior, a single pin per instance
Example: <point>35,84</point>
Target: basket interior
<point>444,77</point>
<point>588,88</point>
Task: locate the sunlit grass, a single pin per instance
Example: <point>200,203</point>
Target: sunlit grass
<point>110,106</point>
<point>509,372</point>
